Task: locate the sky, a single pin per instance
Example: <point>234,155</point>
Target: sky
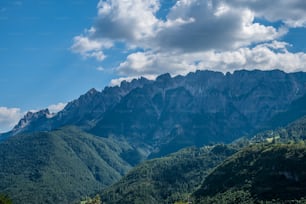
<point>53,51</point>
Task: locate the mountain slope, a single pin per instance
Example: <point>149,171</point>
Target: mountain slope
<point>258,173</point>
<point>59,166</point>
<point>296,109</point>
<point>167,179</point>
<point>243,177</point>
<point>200,108</point>
<point>170,113</point>
<point>293,132</point>
<point>83,112</point>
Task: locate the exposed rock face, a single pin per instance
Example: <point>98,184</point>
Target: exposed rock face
<point>201,108</point>
<point>169,113</point>
<point>83,112</point>
<point>32,121</point>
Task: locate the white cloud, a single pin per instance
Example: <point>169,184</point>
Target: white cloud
<point>265,56</point>
<point>96,54</point>
<point>126,19</point>
<point>292,13</point>
<point>89,47</point>
<point>9,117</point>
<point>220,35</point>
<point>190,26</point>
<point>215,26</point>
<point>55,108</point>
<point>117,82</point>
<point>151,63</point>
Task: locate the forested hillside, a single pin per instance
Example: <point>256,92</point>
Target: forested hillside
<point>59,166</point>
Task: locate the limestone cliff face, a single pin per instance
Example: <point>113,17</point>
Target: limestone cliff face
<point>83,112</point>
<point>173,112</point>
<point>200,108</point>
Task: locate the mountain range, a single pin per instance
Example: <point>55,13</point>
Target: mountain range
<point>170,113</point>
<point>99,137</point>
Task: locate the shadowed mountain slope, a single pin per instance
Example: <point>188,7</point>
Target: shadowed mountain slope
<point>59,166</point>
<point>167,179</point>
<point>259,173</point>
<point>170,113</point>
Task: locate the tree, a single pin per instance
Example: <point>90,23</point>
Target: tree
<point>4,199</point>
<point>95,200</point>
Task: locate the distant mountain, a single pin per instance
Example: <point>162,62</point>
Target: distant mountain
<point>63,165</point>
<point>83,112</point>
<point>258,174</point>
<point>295,110</point>
<point>60,166</point>
<point>200,108</point>
<point>170,113</point>
<point>167,179</point>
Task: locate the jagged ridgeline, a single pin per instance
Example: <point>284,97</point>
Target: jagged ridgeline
<point>170,113</point>
<point>99,137</point>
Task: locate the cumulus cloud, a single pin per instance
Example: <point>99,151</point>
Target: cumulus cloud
<point>195,34</point>
<point>90,47</point>
<point>264,56</point>
<point>152,63</point>
<point>117,82</point>
<point>292,13</point>
<point>127,20</point>
<point>215,26</point>
<point>9,117</point>
<point>55,108</point>
<point>190,26</point>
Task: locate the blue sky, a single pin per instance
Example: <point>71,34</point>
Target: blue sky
<point>52,51</point>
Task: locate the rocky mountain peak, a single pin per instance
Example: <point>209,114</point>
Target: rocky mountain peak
<point>92,91</point>
<point>163,77</point>
<point>31,117</point>
<point>128,86</point>
<point>209,106</point>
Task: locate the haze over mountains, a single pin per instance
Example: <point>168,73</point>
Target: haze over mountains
<point>99,137</point>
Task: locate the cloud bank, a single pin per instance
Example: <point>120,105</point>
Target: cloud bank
<point>221,35</point>
<point>9,117</point>
<point>55,108</point>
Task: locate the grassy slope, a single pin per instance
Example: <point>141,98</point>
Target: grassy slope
<point>59,166</point>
